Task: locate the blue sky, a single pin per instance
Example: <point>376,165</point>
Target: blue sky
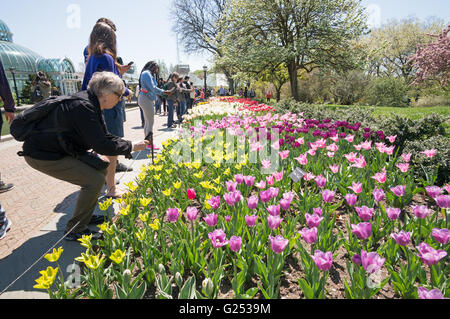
<point>59,28</point>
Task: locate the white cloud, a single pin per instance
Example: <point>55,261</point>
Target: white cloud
<point>374,15</point>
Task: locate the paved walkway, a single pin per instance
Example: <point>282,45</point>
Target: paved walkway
<point>39,207</point>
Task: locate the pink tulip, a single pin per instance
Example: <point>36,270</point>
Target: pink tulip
<point>399,190</point>
<point>421,211</point>
<point>239,178</point>
<point>351,199</point>
<point>252,202</point>
<point>442,236</point>
<point>227,218</point>
<point>317,211</point>
<point>308,176</point>
<point>403,167</point>
<point>320,181</point>
<point>443,201</point>
<point>391,138</point>
<point>424,293</point>
<point>218,238</point>
<point>278,243</point>
<point>251,220</point>
<point>351,157</point>
<point>334,168</point>
<point>393,213</point>
<point>274,210</point>
<point>365,213</point>
<point>327,196</point>
<point>433,191</point>
<point>333,148</point>
<point>302,159</point>
<point>266,164</point>
<point>278,176</point>
<point>356,187</point>
<point>362,230</point>
<point>269,180</point>
<point>402,238</point>
<point>378,194</point>
<point>235,243</point>
<point>380,177</point>
<point>313,220</point>
<point>429,153</point>
<point>173,214</point>
<point>372,262</point>
<point>191,213</point>
<point>360,162</point>
<point>406,157</point>
<point>447,188</point>
<point>350,138</point>
<point>284,154</point>
<point>356,259</point>
<point>323,261</point>
<point>249,180</point>
<point>309,235</point>
<point>214,202</point>
<point>274,221</point>
<point>429,255</point>
<point>211,219</point>
<point>265,195</point>
<point>231,186</point>
<point>261,185</point>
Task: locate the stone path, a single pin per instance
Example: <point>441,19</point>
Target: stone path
<point>39,207</point>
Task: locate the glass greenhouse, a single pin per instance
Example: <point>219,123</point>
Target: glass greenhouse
<point>23,62</point>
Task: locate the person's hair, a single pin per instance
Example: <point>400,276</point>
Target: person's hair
<point>172,75</point>
<point>149,66</point>
<point>106,82</point>
<point>102,40</point>
<point>108,22</point>
<point>186,77</point>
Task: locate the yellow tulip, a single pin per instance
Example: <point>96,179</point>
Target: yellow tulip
<point>144,217</point>
<point>54,256</point>
<point>145,201</point>
<point>131,186</point>
<point>156,177</point>
<point>47,278</point>
<point>199,174</point>
<point>155,225</point>
<point>94,261</point>
<point>86,241</point>
<point>125,210</point>
<point>227,171</point>
<point>140,234</point>
<point>105,204</point>
<point>167,192</point>
<point>117,256</point>
<point>177,185</point>
<point>169,171</point>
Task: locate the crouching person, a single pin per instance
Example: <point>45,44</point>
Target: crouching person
<point>59,145</point>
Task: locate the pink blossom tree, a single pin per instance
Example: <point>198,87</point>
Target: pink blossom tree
<point>432,61</point>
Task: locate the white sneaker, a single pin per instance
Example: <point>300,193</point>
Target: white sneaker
<point>4,228</point>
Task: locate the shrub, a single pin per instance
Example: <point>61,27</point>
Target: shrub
<point>388,91</point>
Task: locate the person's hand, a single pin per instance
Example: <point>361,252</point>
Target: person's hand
<point>124,68</point>
<point>140,146</point>
<point>10,116</point>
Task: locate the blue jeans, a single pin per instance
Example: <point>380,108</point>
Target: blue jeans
<point>182,110</point>
<point>158,103</point>
<point>170,110</point>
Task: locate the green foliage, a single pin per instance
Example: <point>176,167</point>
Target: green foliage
<point>389,91</point>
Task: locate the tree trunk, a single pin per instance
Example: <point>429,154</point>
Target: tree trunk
<point>231,85</point>
<point>292,69</point>
<point>278,94</point>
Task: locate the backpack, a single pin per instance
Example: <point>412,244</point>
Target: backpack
<point>24,123</point>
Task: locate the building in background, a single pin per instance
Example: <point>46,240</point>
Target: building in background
<point>24,62</point>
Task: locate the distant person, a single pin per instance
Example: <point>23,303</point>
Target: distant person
<point>268,96</point>
<point>9,105</point>
<point>252,93</point>
<point>192,94</point>
<point>171,97</point>
<point>246,92</point>
<point>42,87</point>
<point>222,91</point>
<point>84,128</point>
<point>55,91</point>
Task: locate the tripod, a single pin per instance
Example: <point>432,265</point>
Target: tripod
<point>149,138</point>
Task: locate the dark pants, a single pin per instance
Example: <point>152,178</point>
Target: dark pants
<point>76,172</point>
<point>170,106</point>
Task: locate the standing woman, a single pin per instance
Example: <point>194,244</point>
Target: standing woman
<point>102,55</point>
<point>172,97</point>
<point>148,95</point>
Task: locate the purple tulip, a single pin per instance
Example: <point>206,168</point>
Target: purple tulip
<point>251,220</point>
<point>442,236</point>
<point>274,191</point>
<point>231,186</point>
<point>211,219</point>
<point>173,214</point>
<point>393,213</point>
<point>239,178</point>
<point>214,202</point>
<point>424,293</point>
<point>252,202</point>
<point>284,204</point>
<point>429,255</point>
<point>274,221</point>
<point>249,180</point>
<point>443,201</point>
<point>232,198</point>
<point>327,196</point>
<point>433,191</point>
<point>309,234</point>
<point>399,190</point>
<point>356,259</point>
<point>274,210</point>
<point>317,211</point>
<point>278,243</point>
<point>365,213</point>
<point>320,181</point>
<point>421,211</point>
<point>218,238</point>
<point>313,220</point>
<point>351,199</point>
<point>235,243</point>
<point>227,218</point>
<point>191,213</point>
<point>372,262</point>
<point>402,238</point>
<point>323,261</point>
<point>265,195</point>
<point>362,230</point>
<point>378,194</point>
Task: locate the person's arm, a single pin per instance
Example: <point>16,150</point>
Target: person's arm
<point>148,83</point>
<point>6,96</point>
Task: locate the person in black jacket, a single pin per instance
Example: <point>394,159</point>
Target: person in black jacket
<point>82,127</point>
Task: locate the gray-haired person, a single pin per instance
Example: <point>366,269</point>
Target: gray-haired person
<point>82,127</point>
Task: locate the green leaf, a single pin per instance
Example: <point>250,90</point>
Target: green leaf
<point>188,290</point>
<point>306,288</point>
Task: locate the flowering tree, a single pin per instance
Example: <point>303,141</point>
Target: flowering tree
<point>432,61</point>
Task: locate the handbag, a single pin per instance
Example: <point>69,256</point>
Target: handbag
<point>94,160</point>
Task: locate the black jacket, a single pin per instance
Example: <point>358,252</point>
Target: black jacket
<point>83,128</point>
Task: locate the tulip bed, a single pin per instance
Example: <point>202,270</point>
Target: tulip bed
<point>353,224</point>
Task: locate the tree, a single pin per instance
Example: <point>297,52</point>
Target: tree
<point>394,43</point>
<point>302,34</point>
<point>278,76</point>
<point>197,24</point>
<point>432,61</point>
